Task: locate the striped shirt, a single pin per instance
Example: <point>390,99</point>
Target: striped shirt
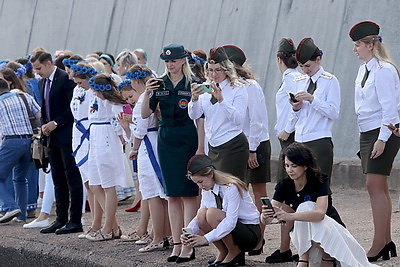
<point>14,118</point>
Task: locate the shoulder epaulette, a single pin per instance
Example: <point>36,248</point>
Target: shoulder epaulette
<point>302,77</point>
<point>327,75</point>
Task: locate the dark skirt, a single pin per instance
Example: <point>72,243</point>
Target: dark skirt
<point>262,173</point>
<point>284,144</point>
<point>232,156</point>
<point>383,164</point>
<point>246,236</point>
<point>323,150</point>
<point>176,145</point>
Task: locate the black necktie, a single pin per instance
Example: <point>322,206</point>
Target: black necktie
<point>365,77</point>
<point>218,200</point>
<point>213,100</point>
<point>311,86</point>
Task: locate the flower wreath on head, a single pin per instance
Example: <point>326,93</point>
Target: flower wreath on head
<point>125,83</point>
<point>199,61</point>
<point>137,74</point>
<point>20,71</point>
<point>3,64</point>
<point>99,87</point>
<point>83,70</point>
<point>69,62</point>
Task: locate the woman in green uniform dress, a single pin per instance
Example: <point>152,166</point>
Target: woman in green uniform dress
<point>177,141</point>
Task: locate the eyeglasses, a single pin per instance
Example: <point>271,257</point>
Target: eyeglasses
<point>215,71</point>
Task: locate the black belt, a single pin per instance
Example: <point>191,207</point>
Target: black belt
<point>17,136</point>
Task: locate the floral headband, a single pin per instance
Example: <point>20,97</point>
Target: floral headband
<point>69,62</point>
<point>137,75</point>
<point>99,87</point>
<point>83,70</point>
<point>126,83</point>
<point>20,71</point>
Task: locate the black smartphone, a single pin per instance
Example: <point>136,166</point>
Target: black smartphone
<point>293,98</point>
<point>390,126</point>
<point>267,202</point>
<point>161,84</point>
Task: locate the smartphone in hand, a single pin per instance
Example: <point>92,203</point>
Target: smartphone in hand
<point>293,98</point>
<point>391,127</point>
<point>126,109</point>
<point>267,202</point>
<point>161,84</point>
<point>206,88</point>
<point>187,231</point>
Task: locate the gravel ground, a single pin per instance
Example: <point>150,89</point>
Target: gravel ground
<point>27,247</point>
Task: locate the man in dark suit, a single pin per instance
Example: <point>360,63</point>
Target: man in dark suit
<point>57,121</point>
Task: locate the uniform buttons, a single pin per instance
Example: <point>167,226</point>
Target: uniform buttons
<point>298,195</point>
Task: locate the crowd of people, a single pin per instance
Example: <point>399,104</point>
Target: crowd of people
<point>193,142</point>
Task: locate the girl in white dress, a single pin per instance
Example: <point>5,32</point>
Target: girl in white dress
<point>81,73</point>
<point>143,134</point>
<point>106,169</point>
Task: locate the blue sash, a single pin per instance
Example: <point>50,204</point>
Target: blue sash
<point>152,156</point>
<point>86,134</point>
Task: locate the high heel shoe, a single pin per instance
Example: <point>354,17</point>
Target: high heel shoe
<point>384,253</point>
<point>135,208</point>
<point>298,261</point>
<point>257,251</point>
<point>239,260</point>
<point>173,258</point>
<point>186,259</point>
<point>391,246</point>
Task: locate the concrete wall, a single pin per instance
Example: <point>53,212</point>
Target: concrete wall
<point>254,25</point>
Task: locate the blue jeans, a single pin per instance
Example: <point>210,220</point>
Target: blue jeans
<point>15,158</point>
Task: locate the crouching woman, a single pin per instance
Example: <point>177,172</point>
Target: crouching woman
<point>227,214</point>
<point>303,201</point>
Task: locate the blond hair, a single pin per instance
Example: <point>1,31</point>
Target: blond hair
<point>379,50</point>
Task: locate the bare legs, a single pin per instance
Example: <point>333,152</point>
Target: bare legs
<point>181,211</point>
<point>107,198</point>
<point>158,213</point>
<point>259,190</point>
<point>381,205</point>
<point>95,208</point>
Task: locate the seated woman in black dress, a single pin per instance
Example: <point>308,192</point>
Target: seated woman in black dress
<point>227,214</point>
<point>303,200</point>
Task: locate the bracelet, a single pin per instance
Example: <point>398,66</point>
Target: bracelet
<point>135,151</point>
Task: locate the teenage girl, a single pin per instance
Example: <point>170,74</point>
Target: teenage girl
<point>106,169</point>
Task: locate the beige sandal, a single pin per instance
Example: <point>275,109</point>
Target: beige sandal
<point>99,236</point>
<point>117,234</point>
<point>130,237</point>
<point>153,247</point>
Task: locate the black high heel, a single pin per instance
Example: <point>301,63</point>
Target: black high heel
<point>257,251</point>
<point>331,260</point>
<point>173,258</point>
<point>239,260</point>
<point>185,259</point>
<point>391,246</point>
<point>384,253</point>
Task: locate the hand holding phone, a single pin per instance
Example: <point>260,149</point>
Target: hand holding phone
<point>390,126</point>
<point>160,83</point>
<point>205,88</point>
<point>267,202</point>
<point>293,98</point>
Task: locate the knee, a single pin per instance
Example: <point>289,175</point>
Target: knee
<point>202,217</point>
<point>214,216</point>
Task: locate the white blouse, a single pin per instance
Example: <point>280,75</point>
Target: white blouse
<point>378,102</point>
<point>223,121</point>
<point>315,120</point>
<point>235,207</point>
<point>256,122</point>
<point>283,107</point>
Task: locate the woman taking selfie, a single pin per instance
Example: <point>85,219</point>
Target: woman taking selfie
<point>303,200</point>
<point>377,95</point>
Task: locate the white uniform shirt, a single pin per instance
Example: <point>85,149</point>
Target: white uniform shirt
<point>235,207</point>
<point>283,107</point>
<point>315,120</point>
<point>377,103</point>
<point>256,122</point>
<point>223,121</point>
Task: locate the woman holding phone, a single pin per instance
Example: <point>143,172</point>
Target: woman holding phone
<point>177,141</point>
<point>303,201</point>
<point>377,96</point>
<point>224,110</point>
<point>227,214</point>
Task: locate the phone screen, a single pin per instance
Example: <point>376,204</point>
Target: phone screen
<point>267,202</point>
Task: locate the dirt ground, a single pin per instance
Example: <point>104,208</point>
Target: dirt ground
<point>27,247</point>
